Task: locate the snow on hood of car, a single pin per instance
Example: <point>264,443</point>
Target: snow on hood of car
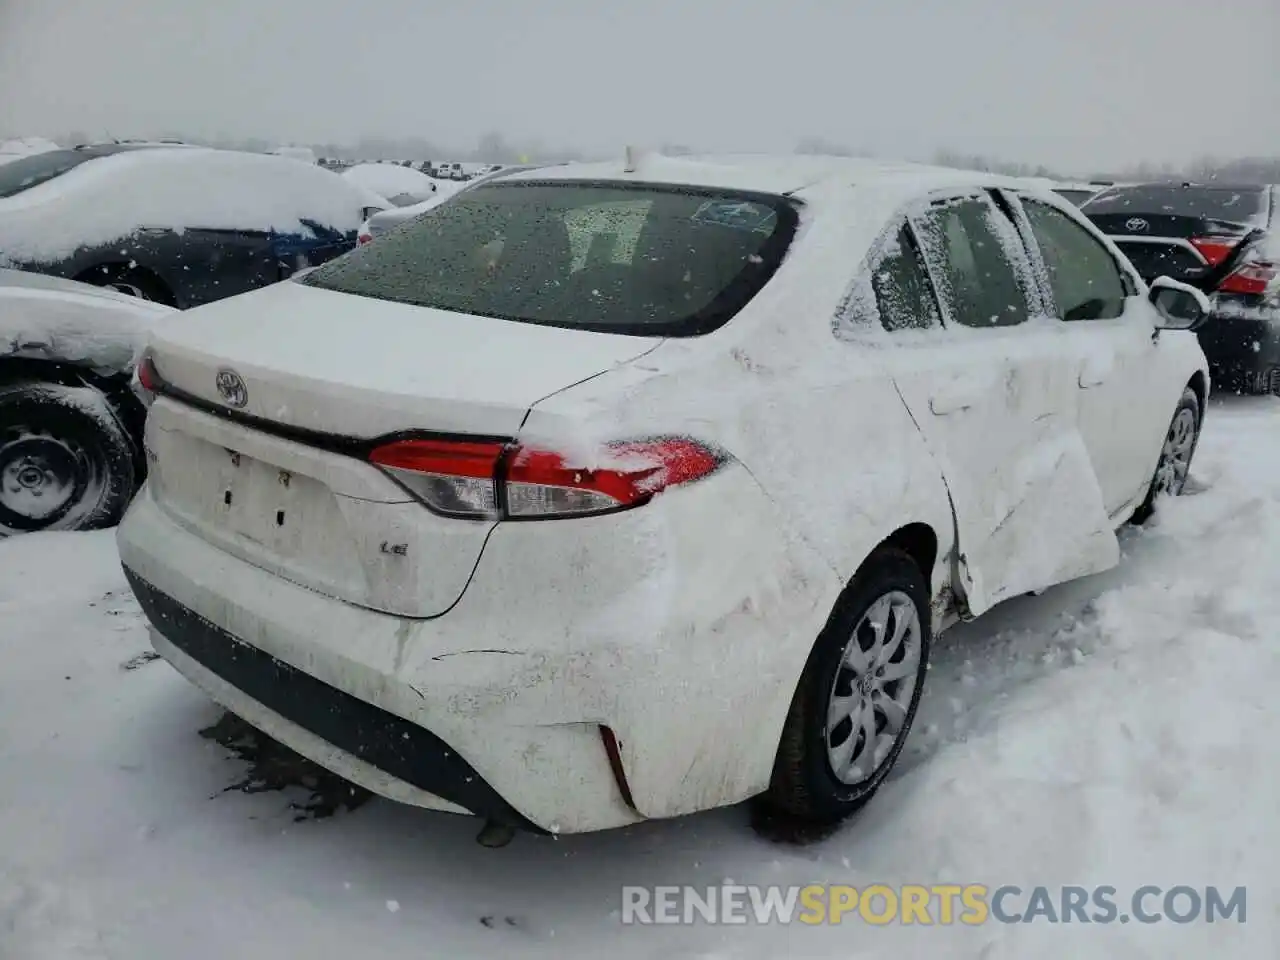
<point>54,319</point>
<point>390,180</point>
<point>107,199</point>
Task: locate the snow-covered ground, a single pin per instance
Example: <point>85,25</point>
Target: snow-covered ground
<point>1115,731</point>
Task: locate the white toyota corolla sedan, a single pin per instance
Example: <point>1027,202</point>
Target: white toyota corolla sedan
<point>620,491</point>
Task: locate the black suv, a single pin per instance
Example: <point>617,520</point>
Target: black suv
<point>1222,239</point>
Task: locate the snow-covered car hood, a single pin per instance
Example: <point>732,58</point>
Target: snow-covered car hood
<point>49,318</point>
<point>391,181</point>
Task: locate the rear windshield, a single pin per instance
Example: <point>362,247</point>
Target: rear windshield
<point>27,172</point>
<point>1238,205</point>
<point>640,259</point>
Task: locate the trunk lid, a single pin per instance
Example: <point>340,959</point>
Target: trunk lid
<point>323,371</point>
<point>353,366</point>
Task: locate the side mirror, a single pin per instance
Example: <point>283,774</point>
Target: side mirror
<point>1180,305</point>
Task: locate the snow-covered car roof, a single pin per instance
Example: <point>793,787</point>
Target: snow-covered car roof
<point>770,174</point>
<point>391,181</point>
<point>117,191</point>
<point>50,318</point>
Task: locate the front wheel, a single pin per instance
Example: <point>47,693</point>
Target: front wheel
<point>858,695</point>
<point>1174,465</point>
<point>66,463</point>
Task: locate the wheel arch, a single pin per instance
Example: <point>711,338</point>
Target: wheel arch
<point>1199,383</point>
<point>114,386</point>
<point>917,540</point>
<point>161,286</point>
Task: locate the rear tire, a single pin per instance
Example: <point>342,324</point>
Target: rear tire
<point>1174,465</point>
<point>66,463</point>
<point>851,696</point>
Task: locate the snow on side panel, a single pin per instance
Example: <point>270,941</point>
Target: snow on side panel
<point>101,332</point>
<point>1052,481</point>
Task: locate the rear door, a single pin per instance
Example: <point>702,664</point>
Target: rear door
<point>1108,324</point>
<point>992,393</point>
<point>1182,232</point>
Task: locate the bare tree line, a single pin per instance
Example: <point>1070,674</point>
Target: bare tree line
<point>493,147</point>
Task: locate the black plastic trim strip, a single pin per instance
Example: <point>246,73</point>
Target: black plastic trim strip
<point>394,745</point>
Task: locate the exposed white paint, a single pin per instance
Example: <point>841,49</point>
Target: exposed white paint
<point>684,624</point>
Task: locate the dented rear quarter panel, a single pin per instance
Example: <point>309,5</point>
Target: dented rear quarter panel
<point>817,429</point>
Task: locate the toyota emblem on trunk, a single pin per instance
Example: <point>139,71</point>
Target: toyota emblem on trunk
<point>1136,224</point>
<point>231,388</point>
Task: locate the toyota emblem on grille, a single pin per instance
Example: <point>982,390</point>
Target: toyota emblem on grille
<point>1136,224</point>
<point>231,388</point>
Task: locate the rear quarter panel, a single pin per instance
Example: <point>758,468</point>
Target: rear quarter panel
<point>834,453</point>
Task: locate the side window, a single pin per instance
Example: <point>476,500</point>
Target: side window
<point>1087,282</point>
<point>970,264</point>
<point>904,294</point>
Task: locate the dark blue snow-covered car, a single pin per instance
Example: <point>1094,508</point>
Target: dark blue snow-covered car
<point>173,223</point>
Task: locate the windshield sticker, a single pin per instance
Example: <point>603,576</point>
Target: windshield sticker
<point>737,215</point>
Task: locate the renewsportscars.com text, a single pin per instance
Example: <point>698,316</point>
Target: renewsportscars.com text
<point>932,904</point>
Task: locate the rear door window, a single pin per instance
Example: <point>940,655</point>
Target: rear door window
<point>1086,281</point>
<point>904,294</point>
<point>972,265</point>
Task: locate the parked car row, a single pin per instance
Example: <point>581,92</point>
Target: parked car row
<point>477,514</point>
<point>1222,239</point>
<point>170,226</point>
<point>446,170</point>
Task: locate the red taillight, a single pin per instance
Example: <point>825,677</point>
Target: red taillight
<point>1254,278</point>
<point>490,480</point>
<point>364,238</point>
<point>457,479</point>
<point>541,483</point>
<point>148,378</point>
<point>1214,249</point>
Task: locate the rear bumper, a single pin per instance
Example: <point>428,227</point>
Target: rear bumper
<point>380,740</point>
<point>681,628</point>
<point>1243,351</point>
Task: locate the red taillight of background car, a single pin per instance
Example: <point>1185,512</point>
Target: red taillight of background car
<point>1252,278</point>
<point>492,480</point>
<point>1214,249</point>
<point>363,238</point>
<point>148,378</point>
<point>1255,276</point>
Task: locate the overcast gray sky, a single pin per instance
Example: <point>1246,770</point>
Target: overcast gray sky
<point>1082,84</point>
